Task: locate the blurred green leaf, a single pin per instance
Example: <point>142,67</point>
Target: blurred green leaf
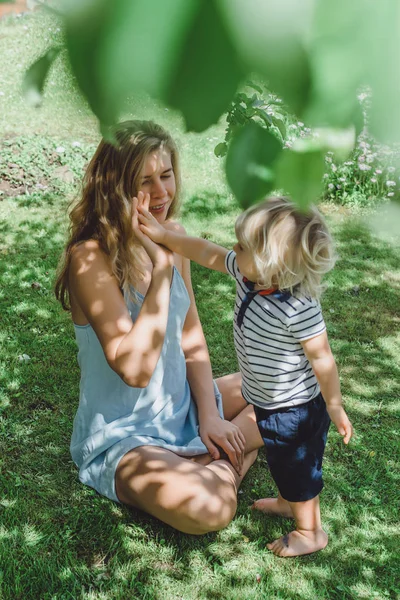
<point>86,24</point>
<point>299,173</point>
<point>271,38</point>
<point>385,75</point>
<point>280,125</point>
<point>249,163</point>
<point>35,77</point>
<point>221,149</point>
<point>207,73</point>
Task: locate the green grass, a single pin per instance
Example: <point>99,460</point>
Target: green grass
<point>59,539</point>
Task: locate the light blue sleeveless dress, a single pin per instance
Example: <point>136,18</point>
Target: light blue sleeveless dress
<point>114,418</point>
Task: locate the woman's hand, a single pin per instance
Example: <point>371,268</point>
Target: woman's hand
<point>149,225</point>
<point>159,255</point>
<point>215,431</point>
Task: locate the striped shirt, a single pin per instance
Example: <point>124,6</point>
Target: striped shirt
<point>275,370</point>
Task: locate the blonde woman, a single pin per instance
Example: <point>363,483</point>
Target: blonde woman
<point>289,373</point>
<point>151,426</point>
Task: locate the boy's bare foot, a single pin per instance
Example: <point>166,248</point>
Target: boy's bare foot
<point>273,506</point>
<point>299,542</point>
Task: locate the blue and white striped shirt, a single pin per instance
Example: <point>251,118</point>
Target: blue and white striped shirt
<point>275,370</point>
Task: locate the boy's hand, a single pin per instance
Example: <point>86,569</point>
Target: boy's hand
<point>149,225</point>
<point>159,255</point>
<point>341,420</point>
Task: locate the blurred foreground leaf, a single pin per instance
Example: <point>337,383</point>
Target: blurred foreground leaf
<point>299,173</point>
<point>178,51</point>
<point>207,73</point>
<point>271,38</point>
<point>249,163</point>
<point>35,77</point>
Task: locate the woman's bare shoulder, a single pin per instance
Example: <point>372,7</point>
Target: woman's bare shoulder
<point>88,254</point>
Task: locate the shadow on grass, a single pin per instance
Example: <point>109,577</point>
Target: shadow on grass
<point>59,539</point>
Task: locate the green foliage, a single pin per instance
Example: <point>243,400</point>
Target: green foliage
<point>299,174</point>
<point>261,108</point>
<point>250,151</point>
<point>192,55</point>
<point>35,76</point>
<point>370,175</point>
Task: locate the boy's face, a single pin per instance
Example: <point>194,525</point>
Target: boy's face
<point>245,263</point>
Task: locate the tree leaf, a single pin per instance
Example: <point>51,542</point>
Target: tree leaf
<point>280,125</point>
<point>271,38</point>
<point>207,72</point>
<point>299,174</point>
<point>339,46</point>
<point>249,163</point>
<point>221,149</point>
<point>35,76</point>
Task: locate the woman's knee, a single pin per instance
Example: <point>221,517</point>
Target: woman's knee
<point>211,512</point>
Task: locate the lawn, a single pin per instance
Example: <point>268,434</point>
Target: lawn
<point>61,540</point>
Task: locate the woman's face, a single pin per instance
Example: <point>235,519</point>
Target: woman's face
<point>158,180</point>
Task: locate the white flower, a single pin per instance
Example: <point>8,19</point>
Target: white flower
<point>300,124</point>
<point>373,180</point>
<point>330,186</point>
<point>391,184</point>
<point>349,163</point>
<point>390,194</point>
<point>325,176</point>
<point>378,171</point>
<point>2,94</point>
<point>333,167</point>
<point>370,158</point>
<point>60,149</point>
<point>391,169</point>
<point>76,144</point>
<point>342,179</point>
<point>361,158</point>
<point>364,167</point>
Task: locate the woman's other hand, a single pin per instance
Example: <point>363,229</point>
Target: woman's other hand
<point>159,255</point>
<point>216,432</point>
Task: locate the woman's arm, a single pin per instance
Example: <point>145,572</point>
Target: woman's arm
<point>215,432</point>
<point>203,252</point>
<point>131,349</point>
<point>319,354</point>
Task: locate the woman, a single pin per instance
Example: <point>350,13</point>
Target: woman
<point>151,423</point>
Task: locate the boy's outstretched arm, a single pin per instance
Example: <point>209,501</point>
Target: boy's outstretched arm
<point>320,356</point>
<point>201,251</point>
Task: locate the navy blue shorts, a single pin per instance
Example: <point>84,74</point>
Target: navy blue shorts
<point>295,439</point>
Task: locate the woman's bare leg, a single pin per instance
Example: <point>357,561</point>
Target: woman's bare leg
<point>188,496</point>
<point>194,496</point>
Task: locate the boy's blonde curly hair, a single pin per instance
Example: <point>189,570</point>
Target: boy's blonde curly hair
<point>292,250</point>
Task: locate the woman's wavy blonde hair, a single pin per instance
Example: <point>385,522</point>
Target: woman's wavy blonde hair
<point>104,210</point>
<point>292,250</point>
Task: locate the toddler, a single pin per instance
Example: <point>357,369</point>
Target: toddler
<point>288,371</point>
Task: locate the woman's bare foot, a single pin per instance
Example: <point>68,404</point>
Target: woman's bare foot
<point>273,506</point>
<point>299,542</point>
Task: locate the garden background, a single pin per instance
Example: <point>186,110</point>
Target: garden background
<point>60,540</point>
